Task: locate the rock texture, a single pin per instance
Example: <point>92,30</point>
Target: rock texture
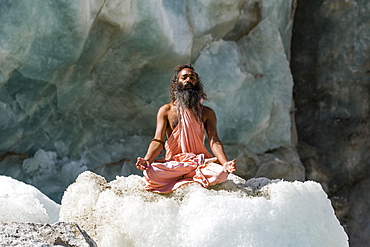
<point>36,234</point>
<point>331,66</point>
<point>81,82</point>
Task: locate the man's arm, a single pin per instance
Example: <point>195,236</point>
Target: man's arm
<point>156,145</point>
<point>215,142</point>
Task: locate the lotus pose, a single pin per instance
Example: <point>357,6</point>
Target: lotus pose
<point>185,121</point>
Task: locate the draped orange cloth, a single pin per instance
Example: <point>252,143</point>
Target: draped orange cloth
<point>187,159</point>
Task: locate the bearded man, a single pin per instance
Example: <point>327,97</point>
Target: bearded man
<point>185,121</point>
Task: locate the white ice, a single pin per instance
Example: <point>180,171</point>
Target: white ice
<point>258,212</point>
<point>20,202</point>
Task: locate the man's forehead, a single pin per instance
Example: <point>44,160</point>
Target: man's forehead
<point>186,71</point>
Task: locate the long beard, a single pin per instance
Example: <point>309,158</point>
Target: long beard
<point>189,98</point>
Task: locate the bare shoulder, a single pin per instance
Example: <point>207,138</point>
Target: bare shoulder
<point>165,109</point>
<point>208,112</point>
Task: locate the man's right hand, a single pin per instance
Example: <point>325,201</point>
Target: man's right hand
<point>142,164</point>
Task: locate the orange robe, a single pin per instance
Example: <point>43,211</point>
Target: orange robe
<point>186,159</point>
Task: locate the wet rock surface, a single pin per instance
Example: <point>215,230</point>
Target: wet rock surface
<point>330,66</point>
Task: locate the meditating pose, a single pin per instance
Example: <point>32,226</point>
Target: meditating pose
<point>185,121</point>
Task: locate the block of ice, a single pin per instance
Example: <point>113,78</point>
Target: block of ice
<point>20,202</point>
<point>236,213</point>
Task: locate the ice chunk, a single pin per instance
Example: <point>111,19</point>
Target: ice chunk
<point>235,213</point>
<point>20,202</point>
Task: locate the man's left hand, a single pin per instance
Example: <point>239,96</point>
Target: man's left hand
<point>230,166</point>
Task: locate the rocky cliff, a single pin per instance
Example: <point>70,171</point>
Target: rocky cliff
<point>331,69</point>
<point>81,83</point>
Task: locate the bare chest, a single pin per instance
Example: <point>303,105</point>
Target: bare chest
<point>173,120</point>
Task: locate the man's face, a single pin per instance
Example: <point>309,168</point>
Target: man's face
<point>187,79</point>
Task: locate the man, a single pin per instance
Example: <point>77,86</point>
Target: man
<point>184,121</point>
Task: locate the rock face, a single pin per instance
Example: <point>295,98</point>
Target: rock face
<point>330,64</point>
<point>81,82</point>
<point>36,234</point>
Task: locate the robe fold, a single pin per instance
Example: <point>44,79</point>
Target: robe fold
<point>187,159</point>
